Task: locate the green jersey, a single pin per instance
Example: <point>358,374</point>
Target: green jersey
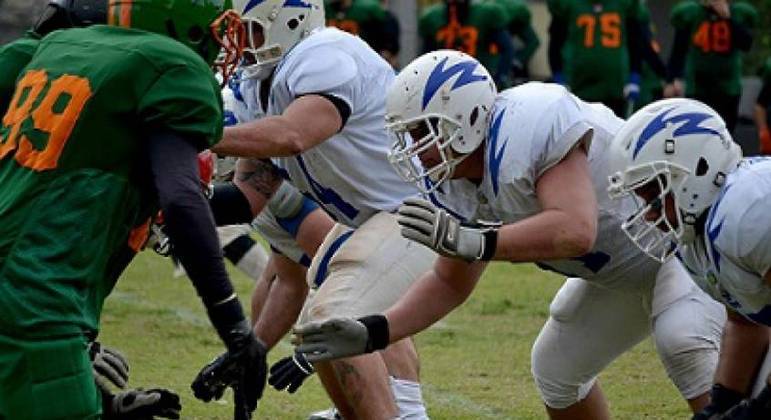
<point>519,25</point>
<point>440,29</point>
<point>356,19</point>
<point>74,180</point>
<point>650,84</point>
<point>14,57</point>
<point>595,54</point>
<point>713,63</point>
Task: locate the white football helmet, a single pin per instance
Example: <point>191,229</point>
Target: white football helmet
<point>682,145</point>
<point>448,95</point>
<point>282,24</point>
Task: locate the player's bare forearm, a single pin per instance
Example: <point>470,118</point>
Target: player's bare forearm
<point>260,139</point>
<point>433,296</point>
<point>761,118</point>
<point>741,353</point>
<point>567,226</point>
<point>285,299</point>
<point>258,180</point>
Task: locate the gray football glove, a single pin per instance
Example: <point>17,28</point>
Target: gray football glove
<point>434,227</point>
<point>108,365</point>
<point>341,337</point>
<point>143,404</point>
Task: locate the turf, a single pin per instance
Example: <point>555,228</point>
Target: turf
<point>475,363</point>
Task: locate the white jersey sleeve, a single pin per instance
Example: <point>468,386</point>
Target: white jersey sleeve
<point>331,75</point>
<point>348,174</point>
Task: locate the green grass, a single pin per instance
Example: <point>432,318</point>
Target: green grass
<point>475,363</point>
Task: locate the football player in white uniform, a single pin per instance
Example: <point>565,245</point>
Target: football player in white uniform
<point>536,157</point>
<point>324,95</point>
<point>702,202</point>
<point>294,227</point>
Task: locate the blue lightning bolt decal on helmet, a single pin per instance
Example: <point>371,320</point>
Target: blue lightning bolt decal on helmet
<point>680,152</point>
<point>440,76</point>
<point>455,121</point>
<point>689,125</point>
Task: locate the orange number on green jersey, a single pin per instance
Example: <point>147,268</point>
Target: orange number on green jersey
<point>610,29</point>
<point>49,116</point>
<point>713,37</point>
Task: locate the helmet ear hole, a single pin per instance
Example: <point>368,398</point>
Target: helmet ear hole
<point>702,167</point>
<point>195,34</point>
<point>293,24</point>
<point>474,115</point>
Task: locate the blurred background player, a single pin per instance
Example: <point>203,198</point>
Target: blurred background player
<point>594,50</point>
<point>653,70</point>
<point>477,28</point>
<point>526,41</point>
<point>707,53</point>
<point>762,107</point>
<point>368,19</point>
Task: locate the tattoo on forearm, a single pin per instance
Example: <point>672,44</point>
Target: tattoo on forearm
<point>260,175</point>
<point>349,378</point>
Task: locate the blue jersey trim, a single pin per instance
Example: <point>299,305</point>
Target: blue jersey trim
<point>321,273</point>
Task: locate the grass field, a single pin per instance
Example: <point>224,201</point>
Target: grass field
<point>475,363</point>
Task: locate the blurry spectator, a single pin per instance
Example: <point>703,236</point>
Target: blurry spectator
<point>369,20</point>
<point>520,27</point>
<point>477,28</point>
<point>594,49</point>
<point>710,36</point>
<point>16,16</point>
<point>762,105</point>
<point>653,70</point>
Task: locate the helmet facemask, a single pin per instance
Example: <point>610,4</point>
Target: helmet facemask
<point>440,132</point>
<point>653,186</point>
<point>273,27</point>
<point>228,32</point>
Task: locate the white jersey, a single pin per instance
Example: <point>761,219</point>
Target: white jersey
<point>348,174</point>
<point>534,127</point>
<point>730,259</point>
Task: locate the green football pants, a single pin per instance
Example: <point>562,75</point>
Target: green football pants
<point>46,379</point>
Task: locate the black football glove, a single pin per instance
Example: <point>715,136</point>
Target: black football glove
<point>758,408</point>
<point>243,367</point>
<point>721,400</point>
<point>142,404</point>
<point>108,365</point>
<point>290,372</point>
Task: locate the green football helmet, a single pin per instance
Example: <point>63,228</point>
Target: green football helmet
<point>206,26</point>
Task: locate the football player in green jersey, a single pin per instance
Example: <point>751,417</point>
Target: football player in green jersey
<point>81,172</point>
<point>520,27</point>
<point>762,105</point>
<point>367,19</point>
<point>473,27</point>
<point>710,37</point>
<point>653,70</point>
<point>109,367</point>
<point>594,48</point>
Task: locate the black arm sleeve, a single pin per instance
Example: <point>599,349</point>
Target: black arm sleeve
<point>650,56</point>
<point>742,35</point>
<point>558,35</point>
<point>229,205</point>
<point>677,58</point>
<point>634,40</point>
<point>764,98</point>
<point>190,225</point>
